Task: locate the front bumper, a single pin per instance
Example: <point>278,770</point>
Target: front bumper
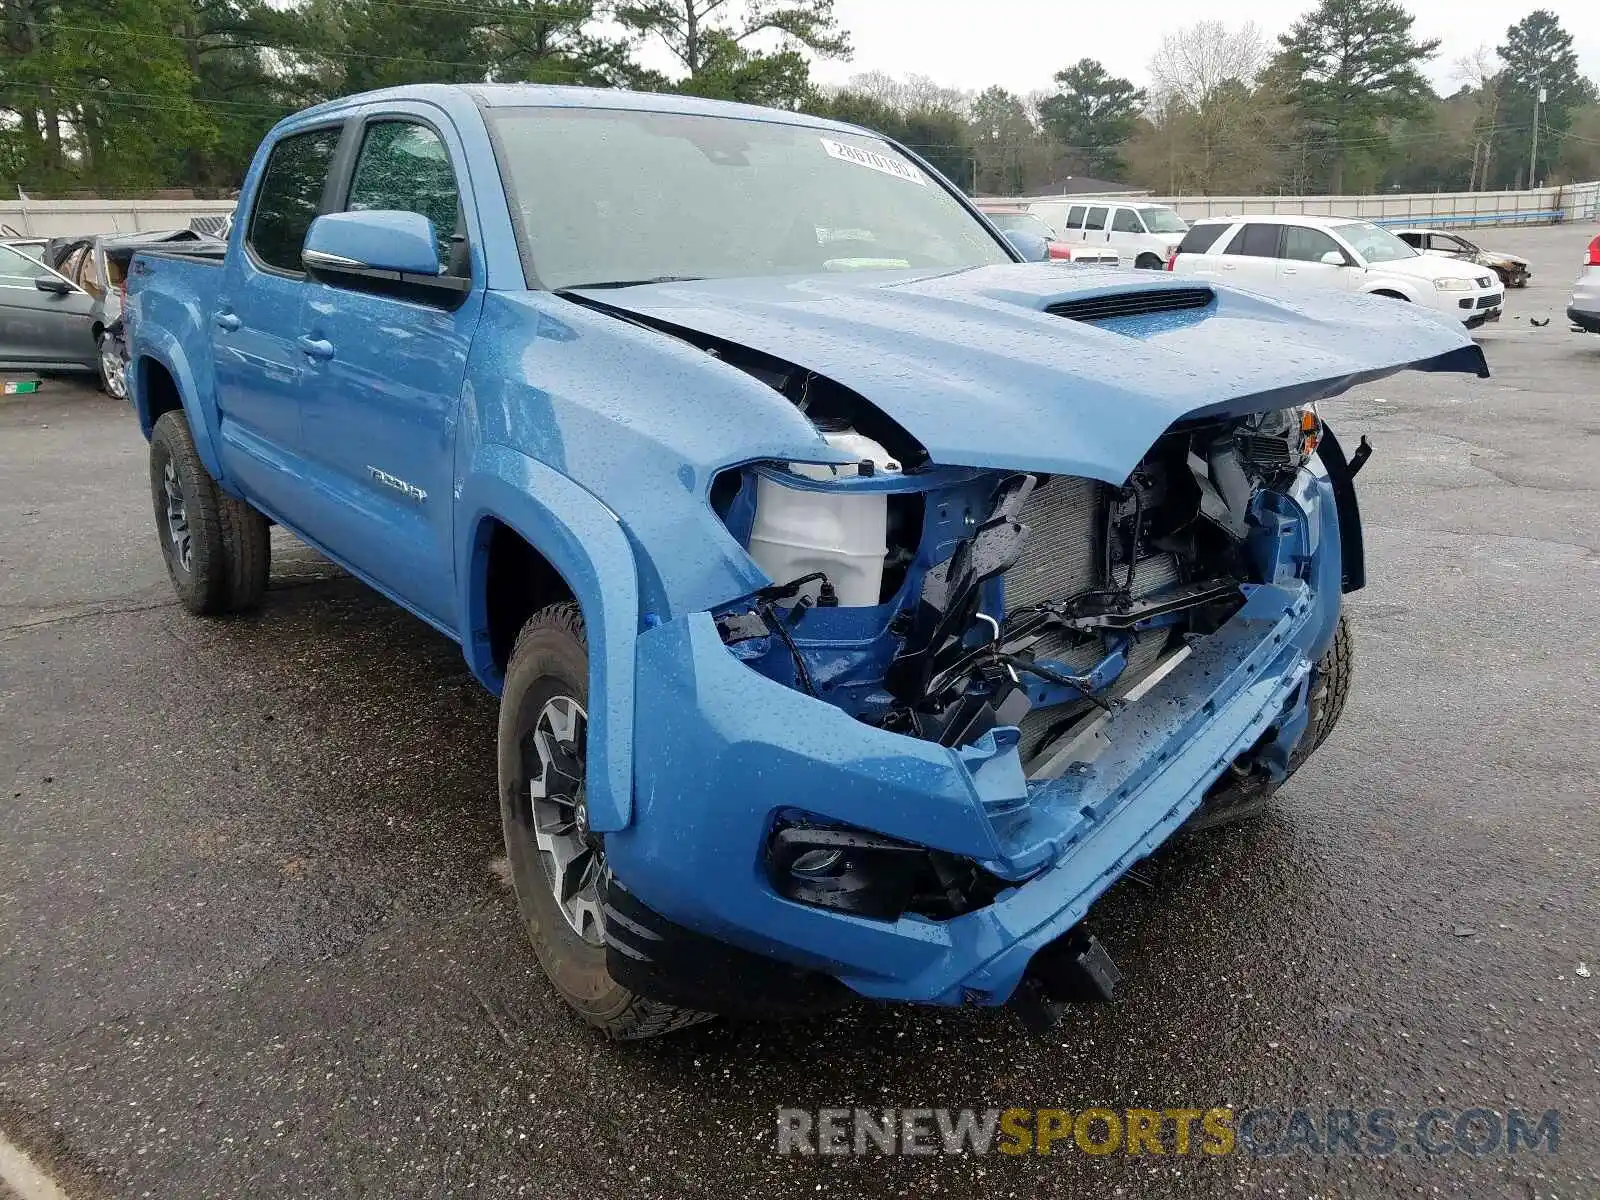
<point>721,751</point>
<point>1481,308</point>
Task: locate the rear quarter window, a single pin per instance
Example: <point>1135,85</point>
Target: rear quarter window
<point>1075,216</point>
<point>1201,238</point>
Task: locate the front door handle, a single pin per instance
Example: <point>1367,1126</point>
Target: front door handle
<point>226,320</point>
<point>315,347</point>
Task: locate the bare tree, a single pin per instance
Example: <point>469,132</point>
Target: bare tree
<point>1210,122</point>
<point>1480,72</point>
<point>1193,63</point>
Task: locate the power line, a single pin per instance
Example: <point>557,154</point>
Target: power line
<point>146,100</point>
<point>205,41</point>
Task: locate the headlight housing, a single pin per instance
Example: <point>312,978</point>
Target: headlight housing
<point>1453,284</point>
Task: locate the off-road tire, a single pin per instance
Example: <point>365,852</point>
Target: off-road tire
<point>550,660</point>
<point>1149,262</point>
<point>1247,797</point>
<point>230,548</point>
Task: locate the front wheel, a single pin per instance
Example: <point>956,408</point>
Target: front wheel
<point>558,864</point>
<point>1239,797</point>
<point>217,549</point>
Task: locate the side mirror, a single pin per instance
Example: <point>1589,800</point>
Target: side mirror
<point>377,240</point>
<point>390,252</point>
<point>1030,246</point>
<point>1333,259</point>
<point>52,284</point>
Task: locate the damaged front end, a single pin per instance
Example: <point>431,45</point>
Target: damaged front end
<point>972,697</point>
<point>1043,678</point>
<point>1014,614</point>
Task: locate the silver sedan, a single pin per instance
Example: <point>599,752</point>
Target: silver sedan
<point>46,320</point>
<point>1584,311</point>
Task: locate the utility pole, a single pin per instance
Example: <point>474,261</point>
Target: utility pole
<point>1533,156</point>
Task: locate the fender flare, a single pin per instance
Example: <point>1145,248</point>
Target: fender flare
<point>1352,545</point>
<point>583,540</point>
<point>165,350</point>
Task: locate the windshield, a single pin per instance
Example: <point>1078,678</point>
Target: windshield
<point>1163,220</point>
<point>1374,244</point>
<point>1021,223</point>
<point>608,196</point>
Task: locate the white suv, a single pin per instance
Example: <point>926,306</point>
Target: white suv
<point>1336,254</point>
<point>1143,235</point>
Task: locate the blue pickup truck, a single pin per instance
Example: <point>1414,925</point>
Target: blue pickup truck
<point>863,599</point>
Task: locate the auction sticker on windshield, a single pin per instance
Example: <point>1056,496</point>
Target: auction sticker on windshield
<point>873,162</point>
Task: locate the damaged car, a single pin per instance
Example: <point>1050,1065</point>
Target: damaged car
<point>1514,272</point>
<point>861,600</point>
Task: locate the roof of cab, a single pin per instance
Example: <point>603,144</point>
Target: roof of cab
<point>537,95</point>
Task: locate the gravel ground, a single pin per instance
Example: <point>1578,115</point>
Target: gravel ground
<point>255,936</point>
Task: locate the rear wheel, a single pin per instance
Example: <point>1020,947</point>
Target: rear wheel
<point>217,549</point>
<point>1149,262</point>
<point>113,371</point>
<point>557,861</point>
<point>1240,797</point>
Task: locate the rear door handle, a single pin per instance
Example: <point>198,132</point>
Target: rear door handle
<point>315,347</point>
<point>226,320</point>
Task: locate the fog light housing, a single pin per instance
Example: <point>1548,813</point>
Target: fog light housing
<point>871,875</point>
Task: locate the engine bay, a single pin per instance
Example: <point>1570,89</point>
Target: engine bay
<point>1003,599</point>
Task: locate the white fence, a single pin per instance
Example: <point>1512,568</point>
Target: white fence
<point>1541,206</point>
<point>1574,202</point>
<point>56,218</point>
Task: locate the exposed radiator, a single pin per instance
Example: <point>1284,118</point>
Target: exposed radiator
<point>1062,554</point>
<point>1063,558</point>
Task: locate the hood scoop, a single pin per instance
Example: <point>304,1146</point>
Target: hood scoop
<point>1132,304</point>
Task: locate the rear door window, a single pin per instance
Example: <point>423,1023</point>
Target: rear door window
<point>1126,221</point>
<point>1201,238</point>
<point>1255,241</point>
<point>1075,217</point>
<point>290,196</point>
<point>1096,219</point>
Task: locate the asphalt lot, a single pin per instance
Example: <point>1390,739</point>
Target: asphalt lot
<point>255,938</point>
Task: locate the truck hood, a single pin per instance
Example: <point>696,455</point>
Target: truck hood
<point>977,367</point>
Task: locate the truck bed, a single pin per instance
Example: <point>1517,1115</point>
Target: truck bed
<point>209,251</point>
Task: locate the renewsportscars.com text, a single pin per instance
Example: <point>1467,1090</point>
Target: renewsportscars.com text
<point>1260,1132</point>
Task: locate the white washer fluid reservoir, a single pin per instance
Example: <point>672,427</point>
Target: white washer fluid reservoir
<point>843,535</point>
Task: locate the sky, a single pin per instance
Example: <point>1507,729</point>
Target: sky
<point>1020,44</point>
